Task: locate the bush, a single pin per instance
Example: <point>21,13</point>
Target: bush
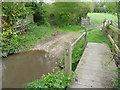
<point>34,35</point>
<point>66,13</point>
<point>57,80</point>
<point>117,81</point>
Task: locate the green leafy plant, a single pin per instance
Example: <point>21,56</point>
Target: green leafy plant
<point>76,54</point>
<point>51,80</point>
<point>117,80</point>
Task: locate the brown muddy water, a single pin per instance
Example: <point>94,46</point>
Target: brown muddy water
<point>21,68</point>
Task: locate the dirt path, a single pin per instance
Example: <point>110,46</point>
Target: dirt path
<point>55,46</point>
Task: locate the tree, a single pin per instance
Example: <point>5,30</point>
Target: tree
<point>67,13</point>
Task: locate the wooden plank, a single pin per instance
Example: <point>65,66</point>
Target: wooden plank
<point>113,43</point>
<point>116,38</point>
<point>68,58</point>
<point>110,32</point>
<point>78,40</point>
<point>115,29</point>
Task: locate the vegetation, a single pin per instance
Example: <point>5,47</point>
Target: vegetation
<point>51,81</point>
<point>70,28</point>
<point>67,13</point>
<point>117,80</point>
<point>34,35</point>
<point>105,7</point>
<point>97,18</point>
<point>98,37</point>
<point>15,11</point>
<point>48,20</point>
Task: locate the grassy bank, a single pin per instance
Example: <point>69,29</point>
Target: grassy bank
<point>34,35</point>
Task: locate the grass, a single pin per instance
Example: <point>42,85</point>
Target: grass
<point>71,28</point>
<point>117,81</point>
<point>97,37</point>
<point>35,35</point>
<point>97,18</point>
<point>77,53</point>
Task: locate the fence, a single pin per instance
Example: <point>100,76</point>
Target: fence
<point>112,33</point>
<point>21,23</point>
<point>68,52</point>
<point>85,21</point>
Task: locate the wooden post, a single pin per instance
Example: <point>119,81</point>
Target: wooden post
<point>116,38</point>
<point>68,58</point>
<point>111,32</point>
<point>104,26</point>
<point>85,39</point>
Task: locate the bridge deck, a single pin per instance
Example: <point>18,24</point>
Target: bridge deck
<point>96,68</point>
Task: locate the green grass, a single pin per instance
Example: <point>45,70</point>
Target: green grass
<point>35,35</point>
<point>97,37</point>
<point>117,80</point>
<point>97,18</point>
<point>77,53</point>
<point>71,28</point>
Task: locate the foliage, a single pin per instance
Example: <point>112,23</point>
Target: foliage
<point>117,81</point>
<point>34,35</point>
<point>108,7</point>
<point>77,53</point>
<point>51,81</point>
<point>39,12</point>
<point>98,37</point>
<point>97,18</point>
<point>67,13</point>
<point>11,12</point>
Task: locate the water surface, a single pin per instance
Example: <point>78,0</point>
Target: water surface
<point>21,68</point>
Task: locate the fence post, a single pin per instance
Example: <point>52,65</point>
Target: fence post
<point>68,58</point>
<point>103,28</point>
<point>85,39</point>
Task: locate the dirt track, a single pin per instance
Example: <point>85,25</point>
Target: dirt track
<point>55,46</point>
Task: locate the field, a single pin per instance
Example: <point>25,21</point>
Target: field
<point>97,18</point>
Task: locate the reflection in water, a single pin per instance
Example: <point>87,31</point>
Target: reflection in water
<point>21,68</point>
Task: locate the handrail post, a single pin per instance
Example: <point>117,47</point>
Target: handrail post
<point>85,39</point>
<point>68,58</point>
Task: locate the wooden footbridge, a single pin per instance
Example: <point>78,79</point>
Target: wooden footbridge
<point>97,66</point>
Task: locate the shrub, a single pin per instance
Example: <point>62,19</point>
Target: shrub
<point>57,80</point>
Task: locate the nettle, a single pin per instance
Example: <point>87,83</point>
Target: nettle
<point>57,80</point>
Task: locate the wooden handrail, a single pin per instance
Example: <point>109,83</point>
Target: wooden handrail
<point>68,52</point>
<point>114,29</point>
<point>78,40</point>
<point>112,34</point>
